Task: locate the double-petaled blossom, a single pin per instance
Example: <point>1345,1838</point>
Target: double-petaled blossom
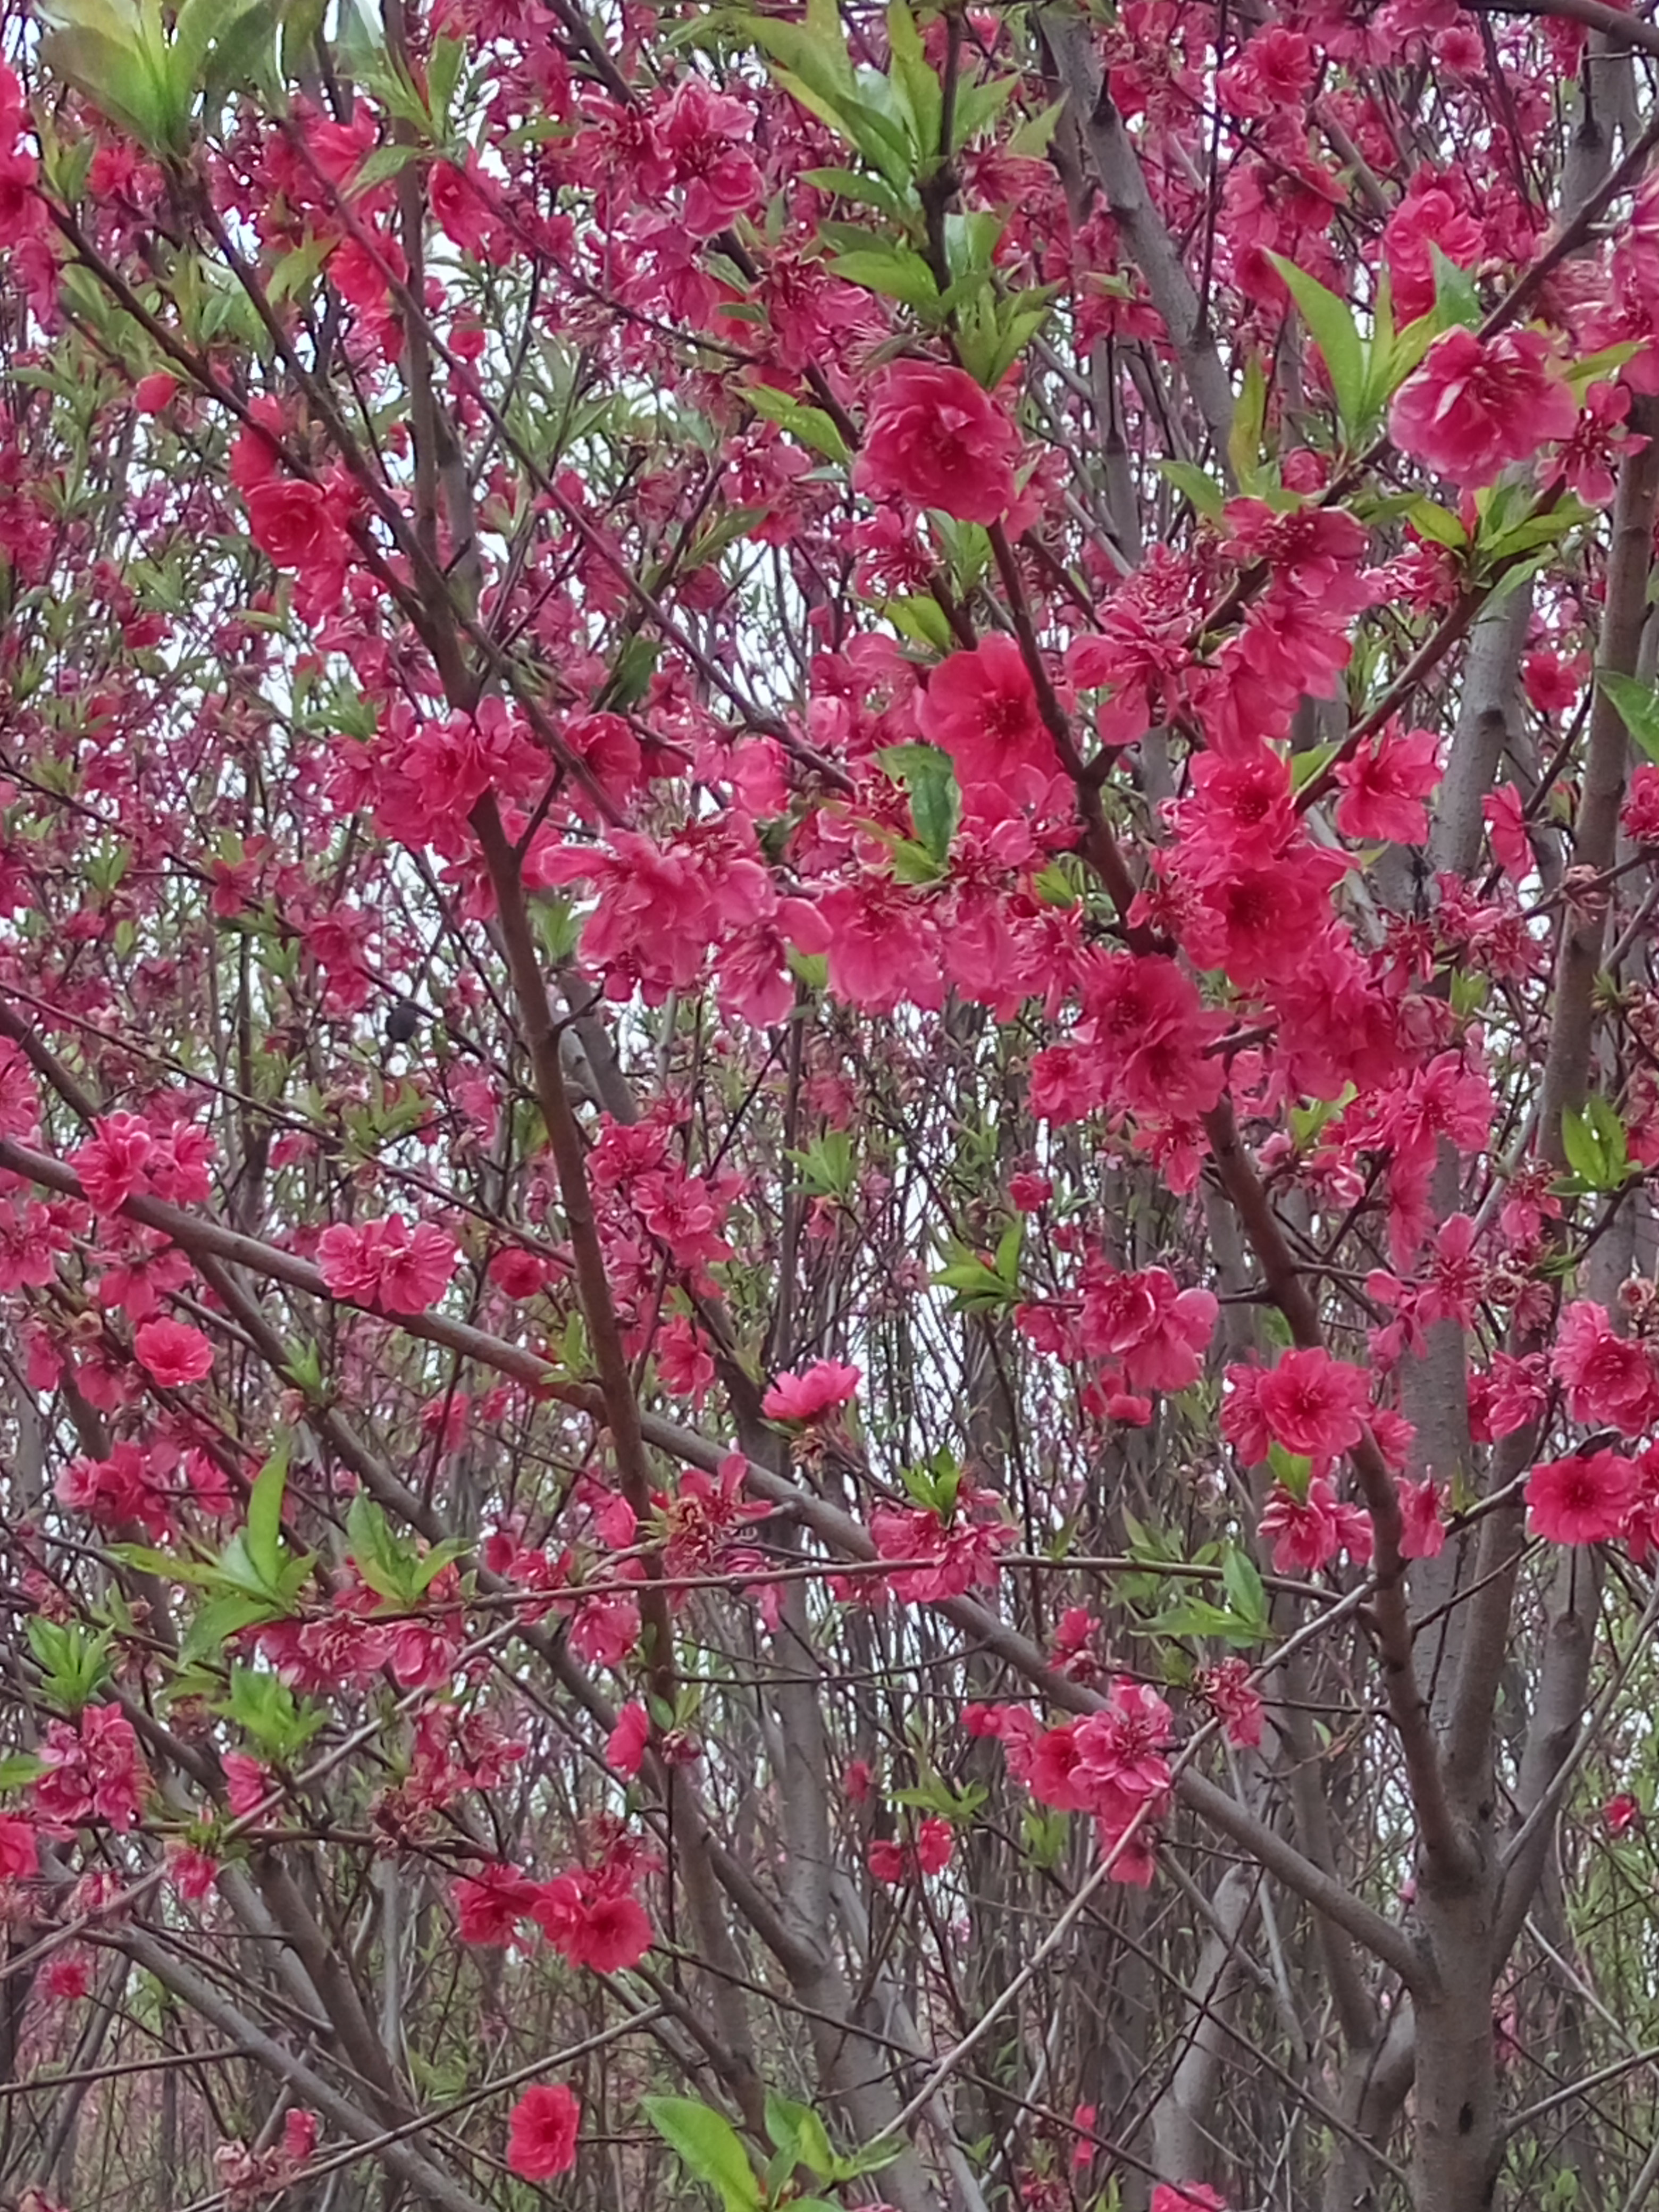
<point>1584,1499</point>
<point>388,1266</point>
<point>1148,1325</point>
<point>1384,783</point>
<point>592,1920</point>
<point>1309,1532</point>
<point>958,1550</point>
<point>1423,1528</point>
<point>981,708</point>
<point>1610,1380</point>
<point>542,2133</point>
<point>1474,405</point>
<point>937,438</point>
<point>1228,1691</point>
<point>1309,1404</point>
<point>821,1389</point>
<point>92,1772</point>
<point>172,1351</point>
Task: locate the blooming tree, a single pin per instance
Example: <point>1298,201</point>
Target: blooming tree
<point>828,1058</point>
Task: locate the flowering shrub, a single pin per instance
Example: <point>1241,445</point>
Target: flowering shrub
<point>827,1086</point>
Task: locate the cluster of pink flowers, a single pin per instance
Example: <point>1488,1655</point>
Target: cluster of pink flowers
<point>1112,1764</point>
<point>128,1156</point>
<point>892,1859</point>
<point>591,1919</point>
<point>93,1773</point>
<point>958,1549</point>
<point>386,1265</point>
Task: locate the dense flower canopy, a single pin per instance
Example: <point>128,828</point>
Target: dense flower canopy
<point>828,1036</point>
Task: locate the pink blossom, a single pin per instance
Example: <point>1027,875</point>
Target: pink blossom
<point>592,1921</point>
<point>1475,405</point>
<point>1423,1532</point>
<point>385,1266</point>
<point>935,438</point>
<point>1608,1378</point>
<point>542,2135</point>
<point>19,1849</point>
<point>111,1163</point>
<point>1158,1331</point>
<point>1227,1690</point>
<point>91,1771</point>
<point>625,1746</point>
<point>1384,784</point>
<point>1186,2196</point>
<point>1313,1404</point>
<point>1581,1499</point>
<point>1310,1531</point>
<point>489,1904</point>
<point>981,708</point>
<point>174,1352</point>
<point>816,1391</point>
<point>1622,1814</point>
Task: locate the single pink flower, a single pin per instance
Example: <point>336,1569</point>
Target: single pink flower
<point>1477,405</point>
<point>20,1849</point>
<point>1313,1405</point>
<point>1608,1378</point>
<point>1621,1814</point>
<point>174,1352</point>
<point>1581,1499</point>
<point>981,708</point>
<point>542,2137</point>
<point>816,1391</point>
<point>1423,1531</point>
<point>625,1746</point>
<point>935,438</point>
<point>489,1904</point>
<point>1384,784</point>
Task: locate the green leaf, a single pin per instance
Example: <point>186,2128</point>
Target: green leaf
<point>930,781</point>
<point>1311,761</point>
<point>811,425</point>
<point>1638,707</point>
<point>867,192</point>
<point>19,1768</point>
<point>918,92</point>
<point>893,270</point>
<point>264,1705</point>
<point>1292,1470</point>
<point>1249,414</point>
<point>1455,299</point>
<point>1437,524</point>
<point>797,2130</point>
<point>1030,142</point>
<point>815,50</point>
<point>922,620</point>
<point>1594,1141</point>
<point>443,74</point>
<point>978,106</point>
<point>709,2146</point>
<point>380,164</point>
<point>74,1662</point>
<point>1243,1586</point>
<point>1202,492</point>
<point>221,1619</point>
<point>1335,331</point>
<point>265,1548</point>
